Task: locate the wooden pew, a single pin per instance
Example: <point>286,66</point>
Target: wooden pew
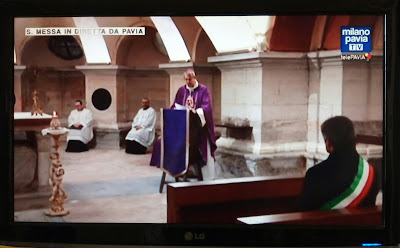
<point>224,200</point>
<point>357,216</point>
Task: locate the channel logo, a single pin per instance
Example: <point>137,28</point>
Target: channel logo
<point>357,56</point>
<point>356,39</point>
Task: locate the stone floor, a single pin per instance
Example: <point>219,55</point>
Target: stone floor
<point>108,186</point>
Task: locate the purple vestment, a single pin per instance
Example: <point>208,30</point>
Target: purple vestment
<point>202,99</point>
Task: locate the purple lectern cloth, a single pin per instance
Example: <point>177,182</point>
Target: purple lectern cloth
<point>173,146</point>
<point>202,100</point>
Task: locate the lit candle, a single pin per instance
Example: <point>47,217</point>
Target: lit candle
<point>54,114</point>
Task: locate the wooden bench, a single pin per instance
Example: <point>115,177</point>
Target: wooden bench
<point>356,216</point>
<point>224,200</point>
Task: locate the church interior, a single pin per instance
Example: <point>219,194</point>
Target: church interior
<point>273,81</point>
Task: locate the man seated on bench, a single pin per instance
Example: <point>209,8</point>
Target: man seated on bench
<point>344,179</point>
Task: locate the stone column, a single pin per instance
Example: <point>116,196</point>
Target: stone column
<point>18,70</point>
<point>314,67</point>
<point>331,91</point>
<point>363,94</point>
<point>363,85</point>
<point>353,88</point>
<point>266,94</point>
<point>44,150</point>
<point>106,122</point>
<point>175,71</point>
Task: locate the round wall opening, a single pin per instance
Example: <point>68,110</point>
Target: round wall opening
<point>101,99</point>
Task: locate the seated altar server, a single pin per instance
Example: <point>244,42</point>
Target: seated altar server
<point>142,133</point>
<point>196,98</point>
<point>344,179</point>
<point>80,123</point>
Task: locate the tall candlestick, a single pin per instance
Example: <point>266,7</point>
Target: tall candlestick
<point>55,123</point>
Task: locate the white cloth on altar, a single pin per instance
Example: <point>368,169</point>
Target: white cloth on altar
<point>147,120</point>
<point>85,118</point>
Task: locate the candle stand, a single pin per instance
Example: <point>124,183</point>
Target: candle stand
<point>56,172</point>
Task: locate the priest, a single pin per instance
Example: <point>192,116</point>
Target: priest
<point>80,123</point>
<point>142,133</point>
<point>196,97</point>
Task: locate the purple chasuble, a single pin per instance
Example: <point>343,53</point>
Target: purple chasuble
<point>201,97</point>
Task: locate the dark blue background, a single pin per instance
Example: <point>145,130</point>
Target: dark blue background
<point>367,46</point>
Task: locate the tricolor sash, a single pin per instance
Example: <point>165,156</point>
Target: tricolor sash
<point>358,189</point>
<point>174,141</point>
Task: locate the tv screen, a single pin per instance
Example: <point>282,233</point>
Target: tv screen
<point>163,128</point>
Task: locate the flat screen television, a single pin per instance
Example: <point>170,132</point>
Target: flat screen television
<point>266,77</point>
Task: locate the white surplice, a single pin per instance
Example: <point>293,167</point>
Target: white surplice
<point>85,118</point>
<point>147,120</point>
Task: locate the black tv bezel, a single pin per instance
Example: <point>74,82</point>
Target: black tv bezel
<point>215,235</point>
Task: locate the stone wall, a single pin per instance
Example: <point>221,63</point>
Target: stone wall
<point>299,92</point>
<point>58,91</point>
<point>151,84</point>
<point>25,163</point>
<point>270,103</point>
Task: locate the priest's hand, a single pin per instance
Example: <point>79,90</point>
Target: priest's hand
<point>190,102</point>
<point>78,125</point>
<point>138,127</point>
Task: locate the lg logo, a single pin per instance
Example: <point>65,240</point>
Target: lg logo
<point>196,236</point>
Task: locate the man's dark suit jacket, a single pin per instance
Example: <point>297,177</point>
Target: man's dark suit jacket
<point>328,179</point>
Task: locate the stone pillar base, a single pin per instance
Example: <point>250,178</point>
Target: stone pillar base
<point>232,164</point>
<point>35,200</point>
<point>106,139</point>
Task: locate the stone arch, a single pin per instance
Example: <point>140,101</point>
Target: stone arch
<point>35,51</point>
<point>140,23</point>
<point>140,51</point>
<point>143,78</point>
<point>189,29</point>
<point>292,33</point>
<point>332,36</point>
<point>203,47</point>
<point>21,40</point>
<point>196,40</point>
